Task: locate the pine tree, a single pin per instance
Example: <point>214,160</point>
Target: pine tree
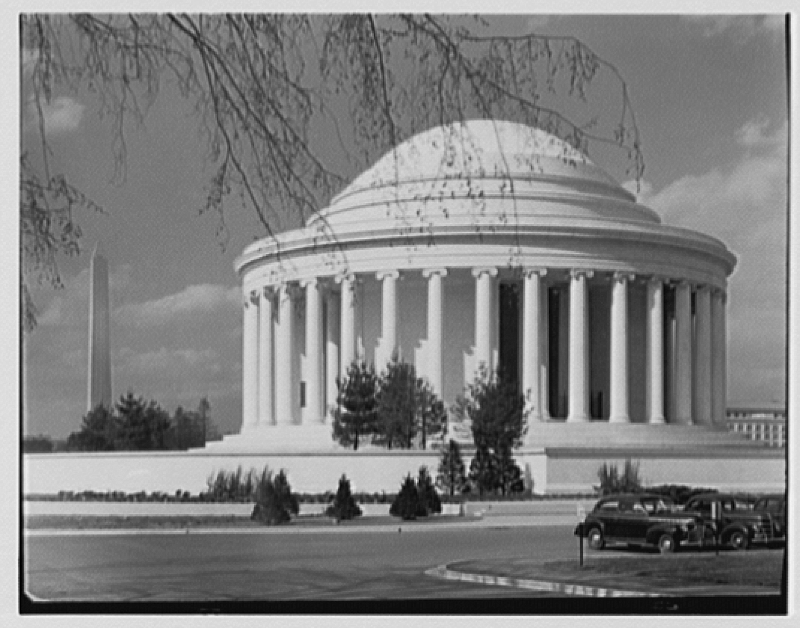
<point>97,433</point>
<point>451,476</point>
<point>483,472</point>
<point>344,505</point>
<point>429,502</point>
<point>275,502</point>
<point>355,417</point>
<point>431,412</point>
<point>397,406</point>
<point>406,504</point>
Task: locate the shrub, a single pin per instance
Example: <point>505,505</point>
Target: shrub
<point>612,482</point>
<point>275,503</point>
<point>451,475</point>
<point>406,504</point>
<point>429,502</point>
<point>344,506</point>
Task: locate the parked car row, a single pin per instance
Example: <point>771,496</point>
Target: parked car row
<point>654,520</point>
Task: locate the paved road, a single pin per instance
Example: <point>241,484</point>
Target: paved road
<point>231,567</point>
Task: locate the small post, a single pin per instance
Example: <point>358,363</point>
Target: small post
<point>581,516</point>
<point>714,517</point>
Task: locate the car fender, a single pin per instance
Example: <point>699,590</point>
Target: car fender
<point>734,527</point>
<point>654,532</point>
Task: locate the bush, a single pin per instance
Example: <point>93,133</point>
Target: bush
<point>406,504</point>
<point>275,503</point>
<point>612,482</point>
<point>344,506</point>
<point>429,502</point>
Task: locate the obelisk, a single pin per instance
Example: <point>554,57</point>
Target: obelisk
<point>99,333</point>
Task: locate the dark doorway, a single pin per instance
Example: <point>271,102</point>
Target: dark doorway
<point>509,331</point>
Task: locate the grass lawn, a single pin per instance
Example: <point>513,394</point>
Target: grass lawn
<point>758,568</point>
<point>110,522</point>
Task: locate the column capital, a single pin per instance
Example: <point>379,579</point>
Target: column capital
<point>574,273</point>
<point>387,274</point>
<point>622,276</point>
<point>427,272</point>
<point>251,298</point>
<point>268,292</point>
<point>656,279</point>
<point>704,287</point>
<point>309,281</point>
<point>530,271</point>
<point>351,277</point>
<point>491,271</point>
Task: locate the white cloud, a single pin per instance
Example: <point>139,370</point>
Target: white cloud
<point>745,206</point>
<point>61,115</point>
<point>167,362</point>
<point>740,25</point>
<point>192,301</point>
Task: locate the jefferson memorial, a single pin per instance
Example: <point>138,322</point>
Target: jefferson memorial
<point>490,243</point>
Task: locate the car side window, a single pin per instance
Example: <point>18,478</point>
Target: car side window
<point>611,506</point>
<point>637,507</point>
<point>701,506</point>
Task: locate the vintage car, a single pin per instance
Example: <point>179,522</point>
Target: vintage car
<point>641,519</point>
<point>732,519</point>
<point>775,505</point>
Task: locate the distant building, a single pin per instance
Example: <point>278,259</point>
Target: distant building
<point>759,423</point>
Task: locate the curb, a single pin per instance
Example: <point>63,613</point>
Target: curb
<point>535,585</point>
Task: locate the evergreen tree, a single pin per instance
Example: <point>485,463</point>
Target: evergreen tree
<point>431,413</point>
<point>483,472</point>
<point>142,426</point>
<point>406,504</point>
<point>344,505</point>
<point>355,417</point>
<point>451,476</point>
<point>97,432</point>
<point>397,406</point>
<point>275,503</point>
<point>429,502</point>
<point>497,418</point>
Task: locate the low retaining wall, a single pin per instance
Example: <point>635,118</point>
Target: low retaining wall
<point>759,470</point>
<point>551,471</point>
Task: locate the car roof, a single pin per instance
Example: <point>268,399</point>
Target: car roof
<point>721,496</point>
<point>634,496</point>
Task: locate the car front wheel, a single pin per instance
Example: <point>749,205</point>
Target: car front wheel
<point>667,544</point>
<point>595,539</point>
<point>738,540</point>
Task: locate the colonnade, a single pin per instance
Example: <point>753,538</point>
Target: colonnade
<point>693,352</point>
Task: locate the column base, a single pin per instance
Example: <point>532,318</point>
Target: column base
<point>657,420</point>
<point>620,418</point>
<point>578,418</point>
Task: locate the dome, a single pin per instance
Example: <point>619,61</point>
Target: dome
<point>482,170</point>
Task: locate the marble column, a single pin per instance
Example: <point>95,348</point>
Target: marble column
<point>314,386</point>
<point>683,353</point>
<point>532,341</point>
<point>544,350</point>
<point>655,350</point>
<point>347,346</point>
<point>484,320</point>
<point>702,371</point>
<point>435,328</point>
<point>619,407</point>
<point>718,375</point>
<point>332,349</point>
<point>578,346</point>
<point>388,281</point>
<point>284,345</point>
<point>250,362</point>
<point>265,374</point>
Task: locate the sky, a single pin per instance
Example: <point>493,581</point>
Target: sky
<point>709,93</point>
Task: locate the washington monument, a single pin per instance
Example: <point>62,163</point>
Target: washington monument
<point>99,375</point>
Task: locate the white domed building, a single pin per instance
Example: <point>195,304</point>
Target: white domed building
<point>493,243</point>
